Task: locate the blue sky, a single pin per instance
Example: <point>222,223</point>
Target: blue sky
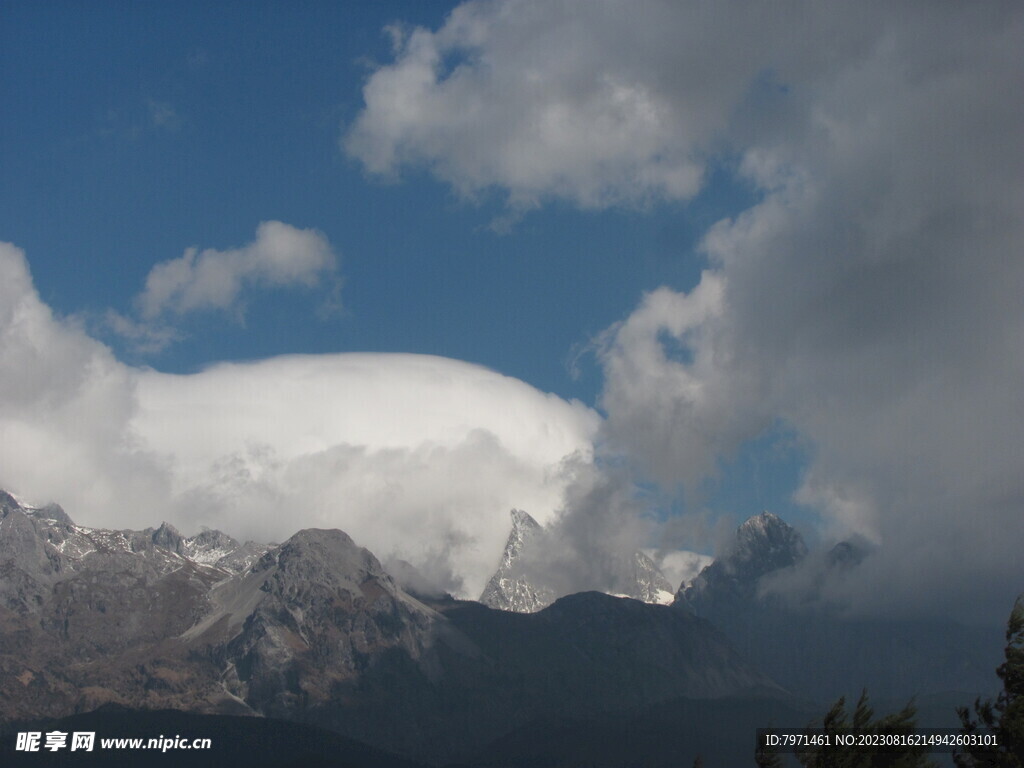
<point>143,131</point>
<point>507,184</point>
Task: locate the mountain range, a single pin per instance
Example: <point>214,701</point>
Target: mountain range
<point>316,631</point>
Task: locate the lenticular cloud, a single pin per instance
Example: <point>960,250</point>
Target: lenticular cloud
<point>415,456</point>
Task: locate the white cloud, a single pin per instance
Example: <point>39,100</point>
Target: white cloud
<point>870,300</point>
<point>415,456</point>
<point>280,256</point>
<point>65,405</point>
<point>536,99</point>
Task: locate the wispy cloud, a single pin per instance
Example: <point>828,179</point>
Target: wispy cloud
<point>145,338</point>
<point>163,115</point>
<point>134,121</point>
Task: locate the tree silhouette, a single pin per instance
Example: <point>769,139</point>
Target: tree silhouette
<point>837,722</point>
<point>1004,717</point>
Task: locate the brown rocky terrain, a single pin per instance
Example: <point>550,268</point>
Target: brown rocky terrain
<point>315,630</point>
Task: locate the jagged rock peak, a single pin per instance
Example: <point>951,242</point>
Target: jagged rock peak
<point>524,528</point>
<point>764,525</point>
<point>8,504</point>
<point>519,584</point>
<point>51,511</point>
<point>167,536</point>
<point>770,540</point>
<point>509,588</point>
<point>216,548</point>
<point>326,555</point>
<point>650,584</point>
<point>763,544</point>
<point>211,536</point>
<point>54,512</point>
<point>523,519</point>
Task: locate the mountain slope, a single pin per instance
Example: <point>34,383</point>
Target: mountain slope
<point>316,631</point>
<point>815,651</point>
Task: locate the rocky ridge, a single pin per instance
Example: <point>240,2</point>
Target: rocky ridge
<point>315,630</point>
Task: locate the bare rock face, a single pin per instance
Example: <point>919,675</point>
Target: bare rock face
<point>311,614</point>
<point>153,618</point>
<point>219,550</point>
<point>649,584</point>
<point>28,567</point>
<point>764,544</point>
<point>167,536</point>
<point>515,587</point>
<point>510,588</point>
<point>78,604</point>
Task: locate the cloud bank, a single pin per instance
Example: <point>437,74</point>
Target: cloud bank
<point>416,457</point>
<point>869,301</point>
<point>65,407</point>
